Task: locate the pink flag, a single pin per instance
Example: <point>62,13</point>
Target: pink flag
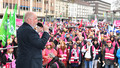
<point>80,24</point>
<point>55,29</point>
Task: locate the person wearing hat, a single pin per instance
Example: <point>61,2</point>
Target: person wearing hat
<point>103,43</point>
<point>56,41</point>
<point>109,55</point>
<point>75,56</point>
<point>45,53</point>
<point>112,38</point>
<point>89,54</point>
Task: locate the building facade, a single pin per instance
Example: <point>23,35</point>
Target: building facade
<point>61,10</point>
<point>100,8</point>
<point>79,10</point>
<point>40,7</point>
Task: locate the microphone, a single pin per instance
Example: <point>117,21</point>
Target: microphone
<point>39,24</point>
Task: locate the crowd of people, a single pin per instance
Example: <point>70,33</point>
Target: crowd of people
<point>73,46</point>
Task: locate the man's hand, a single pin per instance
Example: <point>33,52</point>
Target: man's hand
<point>69,62</point>
<point>45,28</point>
<point>86,49</point>
<point>78,63</point>
<point>103,62</point>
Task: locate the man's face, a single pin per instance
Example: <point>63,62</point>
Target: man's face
<point>88,43</point>
<point>75,46</point>
<point>112,38</point>
<point>67,35</point>
<point>111,33</point>
<point>81,38</point>
<point>95,42</point>
<point>12,36</point>
<point>119,40</point>
<point>105,38</point>
<point>109,44</point>
<point>34,21</point>
<point>16,40</point>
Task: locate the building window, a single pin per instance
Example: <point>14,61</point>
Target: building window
<point>13,6</point>
<point>3,5</point>
<point>20,8</point>
<point>40,10</point>
<point>52,11</point>
<point>38,0</point>
<point>46,2</point>
<point>27,8</point>
<point>6,4</point>
<point>23,8</point>
<point>34,10</point>
<point>37,10</point>
<point>63,8</point>
<point>10,6</point>
<point>45,11</point>
<point>51,4</point>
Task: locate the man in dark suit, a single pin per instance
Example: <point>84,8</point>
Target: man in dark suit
<point>30,45</point>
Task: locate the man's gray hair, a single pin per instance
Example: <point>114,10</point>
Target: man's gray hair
<point>28,15</point>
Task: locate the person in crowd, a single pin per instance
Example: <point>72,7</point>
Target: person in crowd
<point>14,43</point>
<point>98,52</point>
<point>89,54</point>
<point>75,56</point>
<point>69,48</point>
<point>48,50</point>
<point>103,44</point>
<point>118,56</point>
<point>56,41</point>
<point>62,52</point>
<point>81,42</point>
<point>118,43</point>
<point>1,52</point>
<point>109,55</point>
<point>9,58</point>
<point>112,38</point>
<point>30,45</point>
<point>1,46</point>
<point>55,63</point>
<point>51,37</point>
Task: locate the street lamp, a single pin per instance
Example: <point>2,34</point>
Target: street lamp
<point>19,12</point>
<point>46,11</point>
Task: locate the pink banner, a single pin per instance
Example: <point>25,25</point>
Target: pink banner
<point>19,22</point>
<point>117,23</point>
